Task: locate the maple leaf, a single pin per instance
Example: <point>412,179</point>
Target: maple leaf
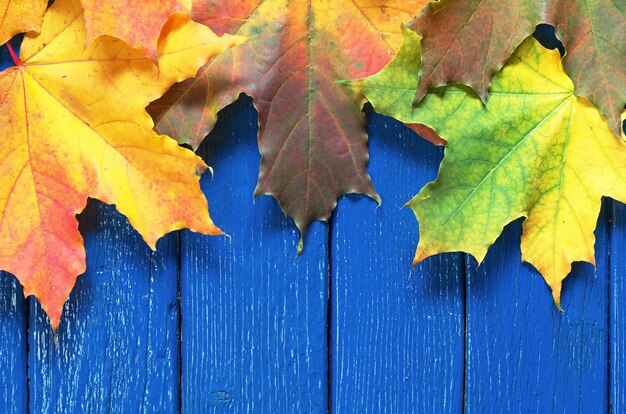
<point>311,131</point>
<point>402,89</point>
<point>466,41</point>
<point>138,23</point>
<point>536,150</point>
<point>74,126</point>
<point>18,16</point>
<point>394,86</point>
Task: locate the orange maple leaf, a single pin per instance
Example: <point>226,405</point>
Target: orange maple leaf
<point>138,23</point>
<point>74,126</point>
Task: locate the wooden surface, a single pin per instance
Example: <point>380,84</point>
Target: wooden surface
<point>617,308</point>
<point>522,354</point>
<point>253,315</point>
<point>396,333</point>
<point>219,325</point>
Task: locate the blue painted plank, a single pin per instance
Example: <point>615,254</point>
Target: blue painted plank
<point>13,346</point>
<point>13,329</point>
<point>116,348</point>
<point>618,307</point>
<point>396,334</point>
<point>117,345</point>
<point>253,315</point>
<point>523,355</point>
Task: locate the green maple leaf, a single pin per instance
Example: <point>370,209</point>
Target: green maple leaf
<point>536,150</point>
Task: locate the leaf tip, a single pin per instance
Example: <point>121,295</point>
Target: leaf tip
<point>300,245</point>
<point>420,255</point>
<point>54,316</point>
<point>152,243</point>
<point>379,201</point>
<point>556,295</point>
<point>200,169</point>
<point>419,95</point>
<point>236,40</point>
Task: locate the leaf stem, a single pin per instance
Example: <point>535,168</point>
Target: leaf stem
<point>16,60</point>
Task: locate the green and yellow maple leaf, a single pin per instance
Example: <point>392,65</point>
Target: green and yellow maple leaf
<point>536,150</point>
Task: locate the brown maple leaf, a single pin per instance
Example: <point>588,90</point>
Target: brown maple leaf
<point>467,41</point>
<point>311,130</point>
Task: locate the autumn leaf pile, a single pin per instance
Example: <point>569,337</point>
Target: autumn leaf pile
<point>103,92</point>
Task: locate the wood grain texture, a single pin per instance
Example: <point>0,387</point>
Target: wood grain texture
<point>617,301</point>
<point>116,348</point>
<point>253,315</point>
<point>523,355</point>
<point>254,334</point>
<point>396,333</point>
<point>13,346</point>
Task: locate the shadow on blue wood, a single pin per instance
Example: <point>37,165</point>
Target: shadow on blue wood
<point>396,334</point>
<point>523,355</point>
<point>210,324</point>
<point>13,346</point>
<point>253,316</point>
<point>117,345</point>
<point>617,328</point>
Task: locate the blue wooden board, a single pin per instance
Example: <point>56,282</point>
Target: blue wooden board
<point>253,315</point>
<point>117,346</point>
<point>13,346</point>
<point>396,334</point>
<point>211,324</point>
<point>617,309</point>
<point>522,354</point>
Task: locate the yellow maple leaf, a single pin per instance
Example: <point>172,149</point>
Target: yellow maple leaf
<point>17,16</point>
<point>74,126</point>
